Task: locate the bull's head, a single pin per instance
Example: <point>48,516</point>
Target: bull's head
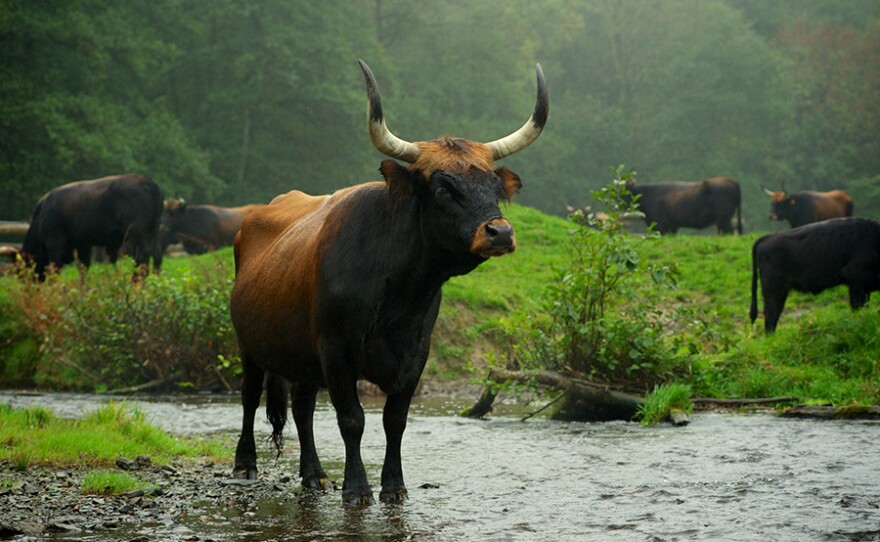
<point>779,202</point>
<point>456,178</point>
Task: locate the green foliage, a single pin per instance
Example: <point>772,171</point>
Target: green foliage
<point>591,320</point>
<point>663,401</point>
<point>235,102</point>
<point>37,437</point>
<point>107,482</point>
<point>100,331</point>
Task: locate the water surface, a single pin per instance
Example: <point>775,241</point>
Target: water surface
<point>736,477</point>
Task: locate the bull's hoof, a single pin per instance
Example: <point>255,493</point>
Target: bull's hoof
<point>318,484</point>
<point>353,498</point>
<point>393,495</point>
<point>247,473</point>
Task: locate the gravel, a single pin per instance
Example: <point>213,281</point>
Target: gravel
<point>41,501</point>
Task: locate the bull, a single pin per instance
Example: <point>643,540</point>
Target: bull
<point>670,206</point>
<point>813,258</point>
<point>806,207</point>
<point>116,212</point>
<point>201,228</point>
<point>336,287</point>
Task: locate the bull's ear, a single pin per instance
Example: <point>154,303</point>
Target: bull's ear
<point>401,181</point>
<point>510,181</point>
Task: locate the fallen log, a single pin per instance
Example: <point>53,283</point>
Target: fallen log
<point>582,400</point>
<point>831,412</point>
<point>744,402</point>
<point>13,228</point>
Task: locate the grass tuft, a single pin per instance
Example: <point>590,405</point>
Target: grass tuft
<point>663,401</point>
<point>107,482</point>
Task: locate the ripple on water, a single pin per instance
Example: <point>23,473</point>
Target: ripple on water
<point>723,477</point>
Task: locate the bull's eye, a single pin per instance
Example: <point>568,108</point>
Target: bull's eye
<point>441,191</point>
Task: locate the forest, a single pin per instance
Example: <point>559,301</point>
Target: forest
<point>233,102</point>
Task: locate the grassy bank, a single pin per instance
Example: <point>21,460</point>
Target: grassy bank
<point>38,437</point>
<point>100,333</point>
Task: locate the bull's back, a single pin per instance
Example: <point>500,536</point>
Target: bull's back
<point>273,299</point>
<point>813,256</point>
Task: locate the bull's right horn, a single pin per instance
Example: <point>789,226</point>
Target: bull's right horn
<point>384,141</point>
<point>530,131</point>
<point>768,192</point>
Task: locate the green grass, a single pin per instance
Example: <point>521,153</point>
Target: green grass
<point>107,482</point>
<point>821,352</point>
<point>663,401</point>
<point>36,436</point>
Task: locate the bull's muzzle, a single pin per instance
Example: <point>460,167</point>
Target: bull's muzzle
<point>494,238</point>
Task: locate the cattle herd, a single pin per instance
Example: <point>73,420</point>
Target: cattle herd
<point>333,288</point>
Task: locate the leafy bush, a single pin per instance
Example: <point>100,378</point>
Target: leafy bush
<point>100,331</point>
<point>596,318</point>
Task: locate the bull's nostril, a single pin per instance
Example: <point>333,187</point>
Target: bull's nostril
<point>499,233</point>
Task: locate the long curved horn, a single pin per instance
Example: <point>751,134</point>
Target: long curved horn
<point>530,131</point>
<point>768,192</point>
<point>384,141</point>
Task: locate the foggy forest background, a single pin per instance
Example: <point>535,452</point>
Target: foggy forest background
<point>232,102</point>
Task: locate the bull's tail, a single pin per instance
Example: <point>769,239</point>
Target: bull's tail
<point>753,310</point>
<point>277,391</point>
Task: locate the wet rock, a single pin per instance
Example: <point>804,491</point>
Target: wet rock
<point>125,464</point>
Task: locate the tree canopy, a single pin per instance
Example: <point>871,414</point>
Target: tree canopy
<point>233,102</point>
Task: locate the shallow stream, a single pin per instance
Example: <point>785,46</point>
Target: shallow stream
<point>748,477</point>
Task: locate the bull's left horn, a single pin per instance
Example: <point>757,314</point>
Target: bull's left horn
<point>384,141</point>
<point>530,131</point>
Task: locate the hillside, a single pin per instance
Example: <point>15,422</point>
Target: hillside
<point>99,333</point>
<point>822,351</point>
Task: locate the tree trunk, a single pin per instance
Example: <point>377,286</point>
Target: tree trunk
<point>582,400</point>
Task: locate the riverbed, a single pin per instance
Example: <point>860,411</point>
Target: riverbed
<point>724,477</point>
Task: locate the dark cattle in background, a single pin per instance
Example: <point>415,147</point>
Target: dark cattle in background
<point>116,211</point>
<point>690,205</point>
<point>813,258</point>
<point>201,228</point>
<point>332,288</point>
<point>806,207</point>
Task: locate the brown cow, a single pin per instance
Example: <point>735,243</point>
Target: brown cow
<point>806,207</point>
<point>201,228</point>
<point>332,288</point>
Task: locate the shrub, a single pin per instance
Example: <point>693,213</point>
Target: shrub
<point>596,318</point>
<point>100,331</point>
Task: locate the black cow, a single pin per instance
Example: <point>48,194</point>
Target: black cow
<point>121,210</point>
<point>806,207</point>
<point>813,258</point>
<point>201,228</point>
<point>332,288</point>
<point>675,205</point>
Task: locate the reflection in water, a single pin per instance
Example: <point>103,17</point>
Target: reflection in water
<point>723,477</point>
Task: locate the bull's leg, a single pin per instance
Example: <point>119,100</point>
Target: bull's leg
<point>858,295</point>
<point>303,408</point>
<point>342,385</point>
<point>774,302</point>
<point>858,281</point>
<point>394,421</point>
<point>397,408</point>
<point>251,390</point>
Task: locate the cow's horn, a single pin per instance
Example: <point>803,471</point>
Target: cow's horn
<point>768,192</point>
<point>530,131</point>
<point>384,141</point>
